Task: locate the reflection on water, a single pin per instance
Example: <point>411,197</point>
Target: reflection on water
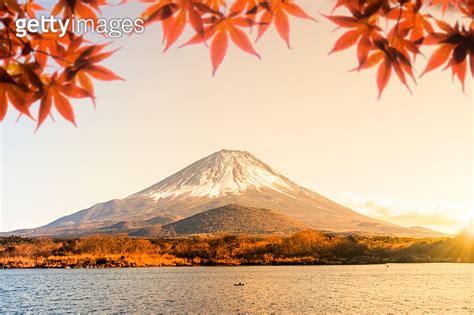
<point>414,288</point>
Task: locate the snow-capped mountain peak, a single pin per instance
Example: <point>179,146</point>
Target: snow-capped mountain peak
<point>226,172</point>
<point>224,178</point>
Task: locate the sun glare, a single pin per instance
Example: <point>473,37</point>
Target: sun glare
<point>469,229</point>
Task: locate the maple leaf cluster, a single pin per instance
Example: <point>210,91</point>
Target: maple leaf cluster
<point>390,33</point>
<point>386,33</point>
<point>50,70</point>
<point>217,22</point>
<point>47,69</point>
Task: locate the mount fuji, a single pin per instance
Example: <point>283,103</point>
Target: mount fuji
<point>222,178</point>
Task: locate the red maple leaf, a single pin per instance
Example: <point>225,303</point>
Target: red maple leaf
<point>277,12</point>
<point>219,30</point>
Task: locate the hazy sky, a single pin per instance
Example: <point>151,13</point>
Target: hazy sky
<point>406,158</point>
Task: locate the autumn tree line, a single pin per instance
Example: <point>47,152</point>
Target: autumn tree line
<point>305,247</point>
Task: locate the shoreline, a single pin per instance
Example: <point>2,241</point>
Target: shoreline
<point>298,264</point>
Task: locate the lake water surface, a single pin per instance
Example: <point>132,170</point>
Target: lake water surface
<point>373,289</point>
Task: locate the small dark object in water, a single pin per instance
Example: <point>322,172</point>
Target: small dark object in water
<point>240,284</point>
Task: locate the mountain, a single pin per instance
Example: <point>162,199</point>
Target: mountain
<point>235,219</point>
<point>222,178</point>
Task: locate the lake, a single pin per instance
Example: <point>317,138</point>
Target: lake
<point>413,288</point>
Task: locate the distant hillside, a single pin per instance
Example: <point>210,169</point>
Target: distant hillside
<point>235,219</point>
<point>149,231</point>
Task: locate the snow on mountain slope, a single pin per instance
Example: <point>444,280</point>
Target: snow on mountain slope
<point>226,172</point>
